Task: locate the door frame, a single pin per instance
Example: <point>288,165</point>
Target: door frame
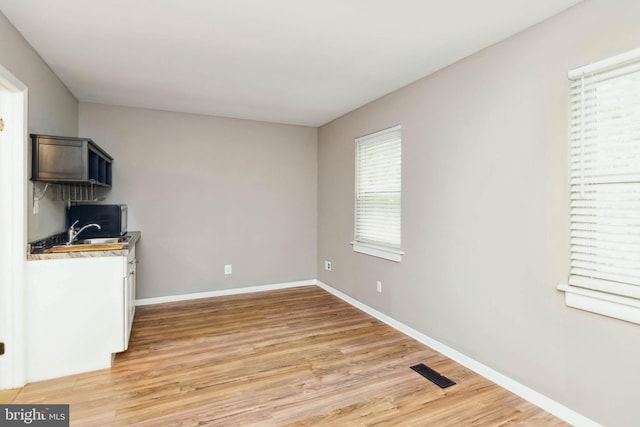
<point>13,224</point>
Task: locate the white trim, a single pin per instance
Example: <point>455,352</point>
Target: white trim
<point>538,399</point>
<point>595,67</point>
<point>394,128</point>
<point>224,292</point>
<point>13,166</point>
<point>391,254</point>
<point>615,306</point>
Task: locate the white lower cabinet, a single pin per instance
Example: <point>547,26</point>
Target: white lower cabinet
<point>79,313</point>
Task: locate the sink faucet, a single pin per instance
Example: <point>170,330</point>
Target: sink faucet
<point>73,234</point>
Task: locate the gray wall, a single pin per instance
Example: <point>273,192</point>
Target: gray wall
<point>209,191</point>
<point>485,214</point>
<point>52,110</point>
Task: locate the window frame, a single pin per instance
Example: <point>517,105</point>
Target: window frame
<point>389,250</point>
<point>591,291</point>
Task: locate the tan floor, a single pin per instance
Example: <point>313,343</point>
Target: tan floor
<point>295,357</point>
<point>7,396</point>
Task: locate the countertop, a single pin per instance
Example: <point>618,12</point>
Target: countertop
<point>37,250</point>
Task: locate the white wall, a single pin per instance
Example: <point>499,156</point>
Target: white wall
<point>52,110</point>
<point>209,191</point>
<point>485,214</point>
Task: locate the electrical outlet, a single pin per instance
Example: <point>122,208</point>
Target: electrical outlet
<point>379,286</point>
<point>327,265</point>
<point>227,269</point>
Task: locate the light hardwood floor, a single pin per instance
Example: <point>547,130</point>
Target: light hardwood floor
<point>297,357</point>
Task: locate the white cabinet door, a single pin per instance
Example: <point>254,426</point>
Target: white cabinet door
<point>129,296</point>
<point>74,315</point>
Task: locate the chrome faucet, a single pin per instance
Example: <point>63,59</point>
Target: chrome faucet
<point>73,234</point>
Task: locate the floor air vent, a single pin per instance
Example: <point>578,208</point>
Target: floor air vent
<point>433,376</point>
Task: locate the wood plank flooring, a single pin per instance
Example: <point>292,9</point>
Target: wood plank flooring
<point>7,396</point>
<point>293,357</point>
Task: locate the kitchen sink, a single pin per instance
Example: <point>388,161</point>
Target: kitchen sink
<point>102,241</point>
<point>95,244</point>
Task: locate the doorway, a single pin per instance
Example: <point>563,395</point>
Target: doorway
<point>13,233</point>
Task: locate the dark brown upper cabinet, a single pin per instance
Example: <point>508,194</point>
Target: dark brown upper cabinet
<point>62,159</point>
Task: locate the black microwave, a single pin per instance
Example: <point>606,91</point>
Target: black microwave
<point>111,218</point>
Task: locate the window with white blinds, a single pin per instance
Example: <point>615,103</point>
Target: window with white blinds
<point>378,193</point>
<point>604,134</point>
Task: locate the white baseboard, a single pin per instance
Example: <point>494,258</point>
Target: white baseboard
<point>566,414</point>
<point>224,292</point>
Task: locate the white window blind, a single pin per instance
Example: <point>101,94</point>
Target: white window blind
<point>378,189</point>
<point>605,177</point>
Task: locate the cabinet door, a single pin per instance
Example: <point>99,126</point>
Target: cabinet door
<point>74,315</point>
<point>129,296</point>
<point>59,159</point>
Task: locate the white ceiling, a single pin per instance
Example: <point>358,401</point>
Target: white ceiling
<point>288,61</point>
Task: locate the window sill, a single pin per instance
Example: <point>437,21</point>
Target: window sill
<point>615,306</point>
<point>390,254</point>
